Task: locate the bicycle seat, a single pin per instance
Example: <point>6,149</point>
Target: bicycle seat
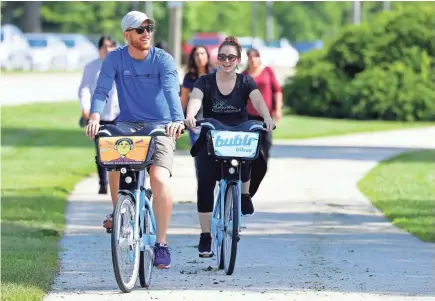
<point>247,126</point>
<point>111,130</point>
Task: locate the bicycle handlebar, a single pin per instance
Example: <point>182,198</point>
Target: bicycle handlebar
<point>203,122</point>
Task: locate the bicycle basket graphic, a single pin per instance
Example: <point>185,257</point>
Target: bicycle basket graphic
<point>229,144</point>
<point>128,150</point>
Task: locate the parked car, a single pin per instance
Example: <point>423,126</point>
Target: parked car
<point>47,52</point>
<point>275,54</point>
<point>307,46</point>
<point>14,49</point>
<point>80,50</point>
<point>251,42</point>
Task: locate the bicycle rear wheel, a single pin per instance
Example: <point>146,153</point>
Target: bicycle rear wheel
<point>146,256</point>
<point>124,248</point>
<point>231,223</point>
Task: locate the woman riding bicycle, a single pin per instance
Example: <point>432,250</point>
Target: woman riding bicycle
<point>224,96</point>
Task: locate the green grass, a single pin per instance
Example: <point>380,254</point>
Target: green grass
<point>403,188</point>
<point>299,127</point>
<point>44,153</point>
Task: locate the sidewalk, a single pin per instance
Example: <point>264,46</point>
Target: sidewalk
<point>314,235</point>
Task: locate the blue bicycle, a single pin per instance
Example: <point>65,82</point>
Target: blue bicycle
<point>231,146</point>
<point>133,234</point>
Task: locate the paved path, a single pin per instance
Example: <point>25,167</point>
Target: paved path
<point>314,235</point>
<point>17,89</point>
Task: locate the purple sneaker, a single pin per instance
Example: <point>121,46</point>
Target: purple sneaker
<point>162,256</point>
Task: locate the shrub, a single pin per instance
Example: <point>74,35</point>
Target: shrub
<point>396,93</point>
<point>316,92</point>
<point>381,70</point>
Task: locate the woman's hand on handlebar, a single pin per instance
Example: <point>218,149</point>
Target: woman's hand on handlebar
<point>270,124</point>
<point>190,122</point>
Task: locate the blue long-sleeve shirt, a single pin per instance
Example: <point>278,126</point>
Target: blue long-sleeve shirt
<point>148,90</point>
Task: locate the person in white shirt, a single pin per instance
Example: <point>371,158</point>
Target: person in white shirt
<point>86,90</point>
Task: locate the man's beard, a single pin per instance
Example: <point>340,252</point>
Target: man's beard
<point>139,46</point>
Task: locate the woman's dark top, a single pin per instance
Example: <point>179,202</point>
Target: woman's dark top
<point>229,109</point>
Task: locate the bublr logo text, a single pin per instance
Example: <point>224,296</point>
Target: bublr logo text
<point>242,143</point>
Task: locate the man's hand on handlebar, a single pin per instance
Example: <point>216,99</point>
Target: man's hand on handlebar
<point>93,126</point>
<point>174,129</point>
<point>270,124</point>
<point>190,122</point>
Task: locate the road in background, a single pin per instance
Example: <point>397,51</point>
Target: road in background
<point>29,87</point>
<point>16,89</point>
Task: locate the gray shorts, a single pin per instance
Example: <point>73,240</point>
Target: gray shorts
<point>165,146</point>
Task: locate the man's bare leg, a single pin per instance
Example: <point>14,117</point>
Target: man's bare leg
<point>162,200</point>
<point>114,186</point>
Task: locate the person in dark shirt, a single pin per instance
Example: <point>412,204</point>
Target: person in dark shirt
<point>198,65</point>
<point>223,96</point>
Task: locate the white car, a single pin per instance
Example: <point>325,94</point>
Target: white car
<point>281,54</point>
<point>48,52</point>
<point>14,49</point>
<point>251,42</point>
<point>80,50</point>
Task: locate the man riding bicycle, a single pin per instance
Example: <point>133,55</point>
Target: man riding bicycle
<point>147,82</point>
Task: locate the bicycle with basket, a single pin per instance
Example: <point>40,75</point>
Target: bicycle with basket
<point>133,233</point>
<point>231,146</point>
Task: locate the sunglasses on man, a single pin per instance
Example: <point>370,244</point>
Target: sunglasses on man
<point>141,29</point>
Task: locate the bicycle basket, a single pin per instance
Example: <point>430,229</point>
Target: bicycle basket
<point>132,151</point>
<point>229,144</point>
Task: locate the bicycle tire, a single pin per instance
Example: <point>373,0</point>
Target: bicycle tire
<point>231,206</point>
<point>146,257</point>
<point>124,287</point>
<point>218,251</point>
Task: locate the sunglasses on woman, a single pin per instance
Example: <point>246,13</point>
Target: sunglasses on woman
<point>141,29</point>
<point>222,57</point>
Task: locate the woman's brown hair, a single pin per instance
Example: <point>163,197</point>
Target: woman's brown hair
<point>232,41</point>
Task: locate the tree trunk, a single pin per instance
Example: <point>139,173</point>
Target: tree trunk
<point>32,16</point>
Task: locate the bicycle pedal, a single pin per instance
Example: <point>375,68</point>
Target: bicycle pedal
<point>148,193</point>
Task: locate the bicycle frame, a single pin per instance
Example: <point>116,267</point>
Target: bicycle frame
<point>142,203</point>
<point>217,223</point>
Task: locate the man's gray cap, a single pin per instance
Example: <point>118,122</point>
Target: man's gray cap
<point>134,19</point>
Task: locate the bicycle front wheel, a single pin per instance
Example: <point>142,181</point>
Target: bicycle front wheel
<point>125,250</point>
<point>231,226</point>
<point>146,256</point>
